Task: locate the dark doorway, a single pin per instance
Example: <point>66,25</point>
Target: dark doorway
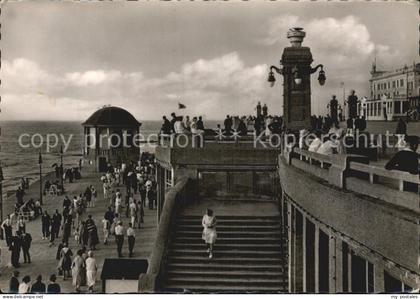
<point>103,165</point>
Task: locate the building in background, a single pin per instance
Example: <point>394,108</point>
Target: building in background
<point>109,136</point>
<point>393,94</point>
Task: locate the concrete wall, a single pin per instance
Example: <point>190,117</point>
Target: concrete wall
<point>217,155</point>
<point>379,226</point>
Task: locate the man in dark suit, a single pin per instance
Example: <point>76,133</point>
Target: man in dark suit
<point>406,159</point>
<point>26,240</point>
<point>15,248</point>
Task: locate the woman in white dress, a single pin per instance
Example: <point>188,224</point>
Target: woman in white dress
<point>209,231</point>
<point>91,271</point>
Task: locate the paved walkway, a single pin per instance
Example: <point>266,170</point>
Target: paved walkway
<point>43,256</point>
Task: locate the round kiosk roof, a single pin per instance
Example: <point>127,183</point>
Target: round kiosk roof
<point>112,117</point>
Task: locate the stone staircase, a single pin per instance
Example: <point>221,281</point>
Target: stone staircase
<point>249,256</point>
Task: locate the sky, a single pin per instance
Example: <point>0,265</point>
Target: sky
<point>64,60</point>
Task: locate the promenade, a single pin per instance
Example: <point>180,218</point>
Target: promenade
<point>43,257</point>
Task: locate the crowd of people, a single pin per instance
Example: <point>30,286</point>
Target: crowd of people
<point>233,125</point>
<point>74,220</point>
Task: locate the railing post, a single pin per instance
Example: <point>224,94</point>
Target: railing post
<point>401,185</point>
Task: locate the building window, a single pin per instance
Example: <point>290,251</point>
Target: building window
<point>389,86</point>
<point>405,106</point>
<point>402,82</point>
<point>393,84</point>
<point>397,107</point>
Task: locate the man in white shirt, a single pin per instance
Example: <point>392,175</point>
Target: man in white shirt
<point>329,147</point>
<point>119,237</point>
<point>25,285</point>
<point>131,238</point>
<point>118,202</point>
<point>133,212</point>
<point>316,143</point>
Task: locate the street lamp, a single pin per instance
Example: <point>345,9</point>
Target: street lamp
<point>1,193</point>
<point>297,77</point>
<point>40,177</point>
<point>61,168</point>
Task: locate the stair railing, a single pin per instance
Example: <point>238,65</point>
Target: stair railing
<point>175,198</point>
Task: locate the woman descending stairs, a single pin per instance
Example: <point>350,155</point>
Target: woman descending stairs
<point>249,256</point>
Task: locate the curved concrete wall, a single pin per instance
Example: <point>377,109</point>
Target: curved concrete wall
<point>389,231</point>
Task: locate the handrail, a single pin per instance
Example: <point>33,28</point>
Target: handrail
<point>374,170</point>
<point>313,156</point>
<point>147,281</point>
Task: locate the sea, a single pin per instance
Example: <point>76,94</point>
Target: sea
<point>18,161</point>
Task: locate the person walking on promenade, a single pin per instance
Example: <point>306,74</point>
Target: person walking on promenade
<point>38,287</point>
<point>15,248</point>
<point>106,227</point>
<point>94,196</point>
<point>7,231</point>
<point>118,203</point>
<point>25,285</point>
<point>401,127</point>
<point>140,213</point>
<point>56,223</point>
<point>53,287</point>
<point>26,240</point>
<point>92,233</point>
<point>14,283</point>
<point>209,232</point>
<point>77,267</point>
<point>91,271</point>
<point>133,211</point>
<point>65,261</point>
<point>131,238</point>
<point>46,223</point>
<point>20,225</point>
<point>119,237</point>
<point>88,196</point>
<point>67,228</point>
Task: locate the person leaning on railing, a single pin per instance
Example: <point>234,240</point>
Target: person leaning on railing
<point>407,160</point>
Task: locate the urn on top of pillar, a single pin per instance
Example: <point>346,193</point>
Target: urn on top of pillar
<point>296,70</point>
<point>296,36</point>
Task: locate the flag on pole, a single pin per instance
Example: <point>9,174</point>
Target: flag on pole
<point>181,106</point>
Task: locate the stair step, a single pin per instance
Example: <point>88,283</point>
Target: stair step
<point>231,234</point>
<point>241,240</point>
<point>233,217</point>
<point>253,228</point>
<point>225,253</point>
<point>206,288</point>
<point>218,246</point>
<point>214,266</point>
<point>204,259</point>
<point>231,222</point>
<point>280,281</point>
<point>225,274</point>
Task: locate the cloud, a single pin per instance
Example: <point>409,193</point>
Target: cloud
<point>206,86</point>
<point>343,41</point>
